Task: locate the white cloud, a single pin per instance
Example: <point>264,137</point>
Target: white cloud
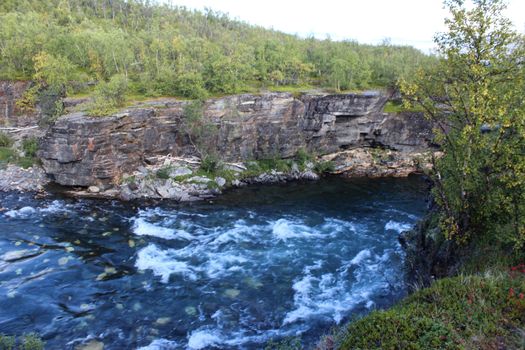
<point>408,22</point>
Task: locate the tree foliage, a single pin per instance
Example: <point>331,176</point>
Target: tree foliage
<point>108,96</point>
<point>174,51</point>
<point>474,94</point>
<point>201,133</point>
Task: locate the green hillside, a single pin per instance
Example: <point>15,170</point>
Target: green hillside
<point>165,51</point>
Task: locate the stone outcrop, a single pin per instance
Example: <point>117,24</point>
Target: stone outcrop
<point>178,179</point>
<point>377,162</point>
<point>14,178</point>
<point>10,113</point>
<point>82,151</point>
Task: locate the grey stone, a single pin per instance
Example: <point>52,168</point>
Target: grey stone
<point>309,175</point>
<point>93,189</point>
<point>199,179</point>
<point>238,183</point>
<point>182,171</point>
<point>167,190</point>
<point>25,180</point>
<point>220,181</point>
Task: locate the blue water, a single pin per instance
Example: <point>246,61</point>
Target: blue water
<point>256,264</point>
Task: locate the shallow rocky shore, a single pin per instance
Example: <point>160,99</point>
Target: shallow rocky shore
<point>182,180</point>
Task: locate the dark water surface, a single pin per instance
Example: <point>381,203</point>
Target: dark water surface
<point>258,263</point>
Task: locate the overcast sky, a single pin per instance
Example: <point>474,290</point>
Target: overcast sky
<point>410,22</point>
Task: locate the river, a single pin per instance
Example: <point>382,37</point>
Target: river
<point>255,264</point>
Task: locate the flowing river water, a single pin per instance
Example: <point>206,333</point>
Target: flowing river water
<point>256,264</point>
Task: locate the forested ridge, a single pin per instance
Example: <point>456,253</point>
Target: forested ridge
<point>165,50</point>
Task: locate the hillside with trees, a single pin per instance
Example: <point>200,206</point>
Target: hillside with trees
<point>173,51</point>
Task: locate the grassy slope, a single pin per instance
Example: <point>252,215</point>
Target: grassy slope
<point>465,312</point>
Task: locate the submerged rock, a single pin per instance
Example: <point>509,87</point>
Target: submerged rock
<point>16,255</point>
<point>232,293</point>
<point>91,345</point>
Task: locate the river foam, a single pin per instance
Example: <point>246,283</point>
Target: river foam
<point>326,287</point>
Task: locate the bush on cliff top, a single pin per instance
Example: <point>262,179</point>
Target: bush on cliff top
<point>108,97</point>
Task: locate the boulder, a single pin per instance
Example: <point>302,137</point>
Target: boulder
<point>182,171</point>
<point>220,181</point>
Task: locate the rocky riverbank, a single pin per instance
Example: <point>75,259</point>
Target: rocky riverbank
<point>148,150</point>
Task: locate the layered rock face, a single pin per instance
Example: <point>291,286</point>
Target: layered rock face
<point>10,114</point>
<point>82,151</point>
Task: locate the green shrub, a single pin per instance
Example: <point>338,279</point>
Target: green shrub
<point>303,157</point>
<point>200,131</point>
<point>32,342</point>
<point>108,96</point>
<point>324,167</point>
<point>26,342</point>
<point>257,167</point>
<point>454,313</point>
<point>30,146</point>
<point>164,173</point>
<point>210,164</point>
<point>25,162</point>
<point>7,155</point>
<point>5,140</point>
<point>129,179</point>
<point>7,342</point>
<point>286,344</point>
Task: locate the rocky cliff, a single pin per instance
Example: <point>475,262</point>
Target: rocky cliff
<point>10,113</point>
<point>82,151</point>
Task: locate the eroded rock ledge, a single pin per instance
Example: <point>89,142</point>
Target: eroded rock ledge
<point>349,130</point>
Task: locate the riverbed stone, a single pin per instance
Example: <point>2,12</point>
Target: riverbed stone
<point>94,189</point>
<point>91,345</point>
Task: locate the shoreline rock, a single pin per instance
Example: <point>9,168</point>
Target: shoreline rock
<point>15,178</point>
